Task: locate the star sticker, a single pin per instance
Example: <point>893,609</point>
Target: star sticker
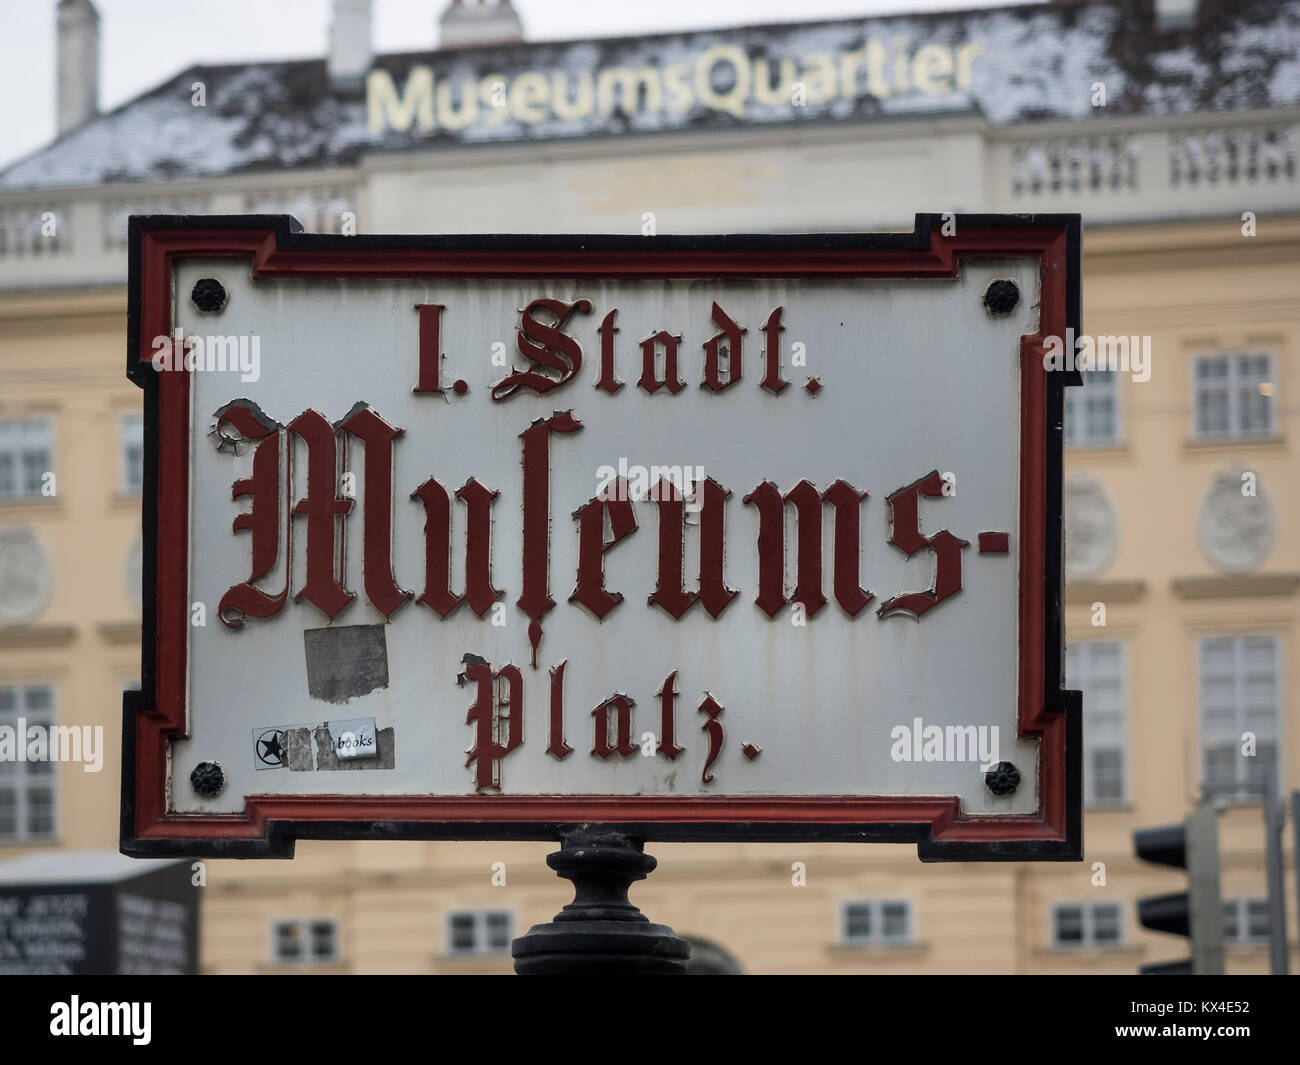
<point>271,751</point>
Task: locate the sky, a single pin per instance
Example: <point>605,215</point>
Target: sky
<point>145,42</point>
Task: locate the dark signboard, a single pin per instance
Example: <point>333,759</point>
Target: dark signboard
<point>87,914</point>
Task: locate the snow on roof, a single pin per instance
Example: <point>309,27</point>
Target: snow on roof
<point>1034,63</point>
<point>75,867</point>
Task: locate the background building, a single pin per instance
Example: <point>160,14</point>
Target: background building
<point>1171,127</point>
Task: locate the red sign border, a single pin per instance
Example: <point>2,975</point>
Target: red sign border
<point>275,246</point>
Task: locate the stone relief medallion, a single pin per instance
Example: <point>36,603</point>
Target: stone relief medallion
<point>135,573</point>
<point>1091,532</point>
<point>26,577</point>
<point>1235,528</point>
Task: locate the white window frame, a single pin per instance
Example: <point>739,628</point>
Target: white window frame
<point>1075,417</point>
<point>127,438</point>
<point>481,948</point>
<point>1233,387</point>
<point>877,938</point>
<point>1078,679</point>
<point>309,958</point>
<point>1242,793</point>
<point>1241,907</point>
<point>1089,922</point>
<point>20,776</point>
<point>31,433</point>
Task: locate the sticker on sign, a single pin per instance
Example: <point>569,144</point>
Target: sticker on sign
<point>720,538</point>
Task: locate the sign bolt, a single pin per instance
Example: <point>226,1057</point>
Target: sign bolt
<point>207,779</point>
<point>209,295</point>
<point>1003,779</point>
<point>1001,298</point>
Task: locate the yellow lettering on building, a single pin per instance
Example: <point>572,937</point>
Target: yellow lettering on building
<point>902,69</point>
<point>819,78</point>
<point>965,58</point>
<point>623,87</point>
<point>677,82</point>
<point>765,92</point>
<point>449,115</point>
<point>579,108</point>
<point>387,109</point>
<point>492,89</point>
<point>530,98</point>
<point>876,83</point>
<point>932,68</point>
<point>850,63</point>
<point>730,100</point>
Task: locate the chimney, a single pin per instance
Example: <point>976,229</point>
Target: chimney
<point>78,63</point>
<point>466,24</point>
<point>1176,14</point>
<point>350,53</point>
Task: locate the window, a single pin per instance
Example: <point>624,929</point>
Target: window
<point>1099,671</point>
<point>26,455</point>
<point>131,429</point>
<point>876,921</point>
<point>1092,412</point>
<point>1245,920</point>
<point>479,932</point>
<point>1233,396</point>
<point>1087,924</point>
<point>1239,708</point>
<point>26,787</point>
<point>314,940</point>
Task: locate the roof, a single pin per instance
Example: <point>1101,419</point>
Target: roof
<point>1034,63</point>
<point>75,867</point>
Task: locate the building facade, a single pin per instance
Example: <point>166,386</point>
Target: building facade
<point>1173,135</point>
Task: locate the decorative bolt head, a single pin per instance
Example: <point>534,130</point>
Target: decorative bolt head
<point>207,779</point>
<point>1001,298</point>
<point>1003,779</point>
<point>209,295</point>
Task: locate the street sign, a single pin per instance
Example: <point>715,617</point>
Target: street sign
<point>715,538</point>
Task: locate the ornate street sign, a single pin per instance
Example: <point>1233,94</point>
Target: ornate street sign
<point>714,538</point>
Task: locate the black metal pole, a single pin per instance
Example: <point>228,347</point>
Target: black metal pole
<point>600,931</point>
<point>1274,824</point>
<point>1295,843</point>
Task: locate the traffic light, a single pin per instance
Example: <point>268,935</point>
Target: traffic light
<point>1196,912</point>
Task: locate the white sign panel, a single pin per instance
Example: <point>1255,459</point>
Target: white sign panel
<point>727,538</point>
